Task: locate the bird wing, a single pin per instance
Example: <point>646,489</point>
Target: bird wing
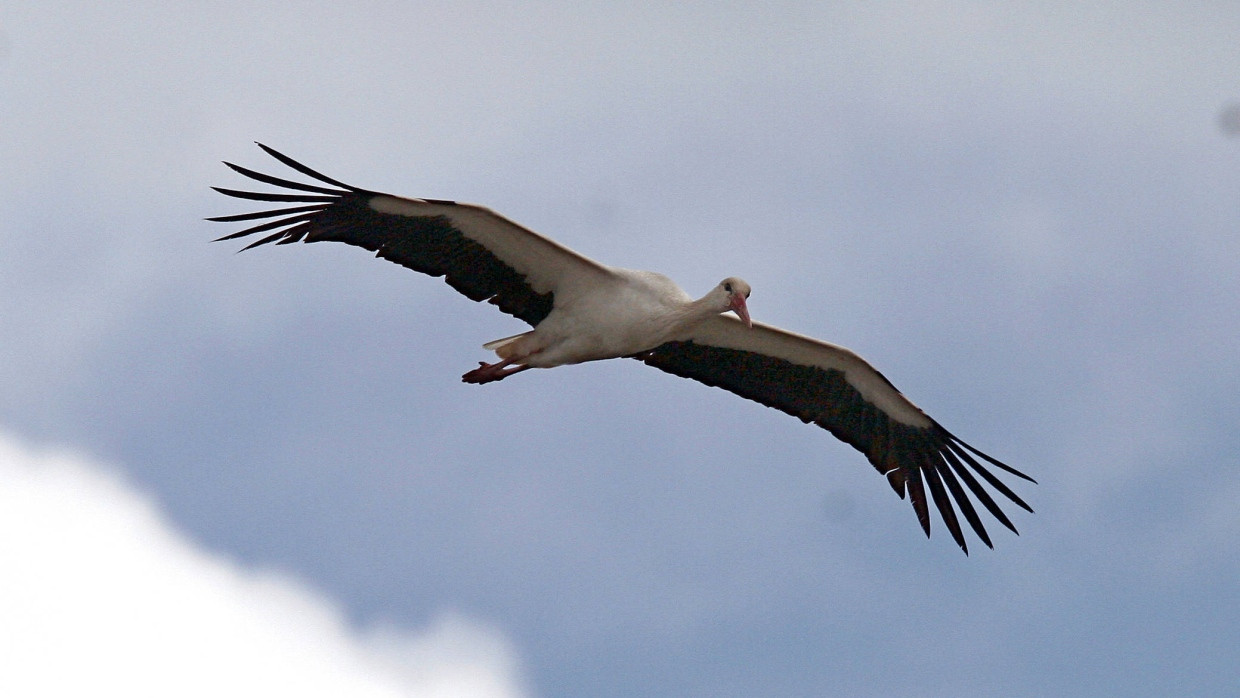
<point>478,252</point>
<point>839,391</point>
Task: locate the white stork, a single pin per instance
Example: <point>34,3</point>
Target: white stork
<point>582,310</point>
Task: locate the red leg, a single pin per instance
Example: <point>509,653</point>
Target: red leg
<point>487,373</point>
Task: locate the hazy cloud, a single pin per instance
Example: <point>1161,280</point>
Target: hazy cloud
<point>100,595</point>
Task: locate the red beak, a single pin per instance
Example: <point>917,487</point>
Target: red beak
<point>738,306</point>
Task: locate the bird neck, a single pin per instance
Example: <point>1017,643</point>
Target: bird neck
<point>696,311</point>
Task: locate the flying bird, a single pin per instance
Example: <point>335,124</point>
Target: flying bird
<point>582,310</point>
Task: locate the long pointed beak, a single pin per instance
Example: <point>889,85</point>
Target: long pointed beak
<point>738,306</point>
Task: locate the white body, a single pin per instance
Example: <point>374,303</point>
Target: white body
<point>632,312</point>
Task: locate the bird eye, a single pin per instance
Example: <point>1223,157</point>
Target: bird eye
<point>727,287</point>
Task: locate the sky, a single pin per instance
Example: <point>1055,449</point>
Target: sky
<point>1025,216</point>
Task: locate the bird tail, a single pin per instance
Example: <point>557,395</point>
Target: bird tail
<point>504,347</point>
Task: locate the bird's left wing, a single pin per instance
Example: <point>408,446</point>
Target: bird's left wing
<point>834,388</point>
<point>478,252</point>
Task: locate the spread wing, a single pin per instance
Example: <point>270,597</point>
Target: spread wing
<point>478,252</point>
<point>839,391</point>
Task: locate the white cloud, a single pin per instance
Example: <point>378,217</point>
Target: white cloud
<point>99,592</point>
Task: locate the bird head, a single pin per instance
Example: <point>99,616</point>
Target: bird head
<point>736,291</point>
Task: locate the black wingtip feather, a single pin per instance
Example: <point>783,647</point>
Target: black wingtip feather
<point>988,458</point>
<point>287,184</point>
<point>941,502</point>
<point>917,497</point>
<point>290,162</point>
<point>269,225</point>
<point>263,241</point>
<point>264,214</point>
<point>962,501</point>
<point>265,196</point>
<point>978,491</point>
<point>989,477</point>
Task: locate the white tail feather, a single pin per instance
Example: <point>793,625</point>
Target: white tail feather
<point>496,344</point>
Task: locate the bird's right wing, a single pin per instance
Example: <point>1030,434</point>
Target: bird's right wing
<point>839,391</point>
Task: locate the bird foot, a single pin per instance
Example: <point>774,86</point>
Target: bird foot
<point>489,373</point>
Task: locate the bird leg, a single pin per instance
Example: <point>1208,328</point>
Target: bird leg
<point>487,373</point>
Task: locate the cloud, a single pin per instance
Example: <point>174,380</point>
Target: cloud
<point>98,591</point>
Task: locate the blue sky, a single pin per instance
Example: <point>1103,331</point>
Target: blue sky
<point>1025,216</point>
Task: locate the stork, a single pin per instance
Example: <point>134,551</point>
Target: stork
<point>582,310</point>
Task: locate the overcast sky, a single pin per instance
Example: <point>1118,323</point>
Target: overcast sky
<point>1028,217</point>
